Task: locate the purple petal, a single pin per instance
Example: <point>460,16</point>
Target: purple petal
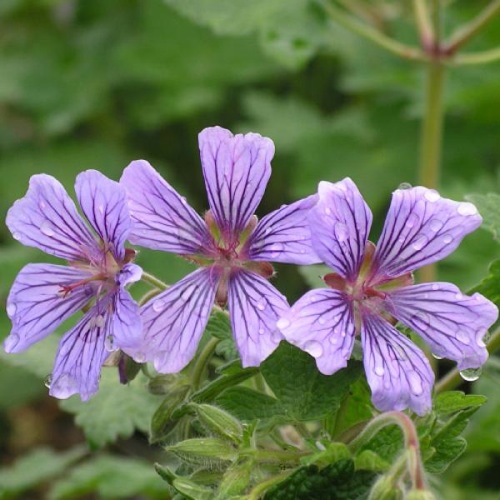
<point>236,171</point>
<point>47,218</point>
<point>130,273</point>
<point>451,323</point>
<point>421,228</point>
<point>104,203</point>
<point>36,305</point>
<point>340,223</point>
<point>80,356</point>
<point>284,235</point>
<point>162,220</point>
<point>322,324</point>
<point>254,308</point>
<point>398,372</point>
<point>174,321</point>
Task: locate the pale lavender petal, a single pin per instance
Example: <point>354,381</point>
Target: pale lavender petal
<point>130,273</point>
<point>421,228</point>
<point>340,223</point>
<point>82,351</point>
<point>162,219</point>
<point>398,372</point>
<point>254,308</point>
<point>284,235</point>
<point>322,324</point>
<point>36,305</point>
<point>174,321</point>
<point>236,171</point>
<point>47,218</point>
<point>453,324</point>
<point>104,203</point>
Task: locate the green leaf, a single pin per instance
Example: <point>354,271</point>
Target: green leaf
<point>37,467</point>
<point>302,390</point>
<point>453,401</point>
<point>218,326</point>
<point>489,208</point>
<point>110,477</point>
<point>115,411</point>
<point>490,286</point>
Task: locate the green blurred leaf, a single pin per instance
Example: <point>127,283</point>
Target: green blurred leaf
<point>490,286</point>
<point>489,208</point>
<point>115,411</point>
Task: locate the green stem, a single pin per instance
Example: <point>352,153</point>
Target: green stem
<point>453,379</point>
<point>471,29</point>
<point>484,57</point>
<point>202,361</point>
<point>153,281</point>
<point>437,20</point>
<point>278,456</point>
<point>148,296</point>
<point>257,492</point>
<point>365,31</point>
<point>423,20</point>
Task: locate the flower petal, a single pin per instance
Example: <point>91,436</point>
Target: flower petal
<point>47,218</point>
<point>284,235</point>
<point>80,356</point>
<point>398,372</point>
<point>162,220</point>
<point>451,323</point>
<point>236,171</point>
<point>36,305</point>
<point>174,321</point>
<point>322,324</point>
<point>421,228</point>
<point>104,203</point>
<point>254,308</point>
<point>340,223</point>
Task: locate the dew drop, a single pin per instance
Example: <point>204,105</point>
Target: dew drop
<point>432,195</point>
<point>328,211</point>
<point>341,232</point>
<point>313,298</point>
<point>420,243</point>
<point>261,304</point>
<point>109,343</point>
<point>471,374</point>
<point>421,320</point>
<point>435,356</point>
<point>46,228</point>
<point>42,205</point>
<point>405,185</point>
<point>11,342</point>
<point>186,294</point>
<point>459,296</point>
<point>466,209</point>
<point>283,323</point>
<point>435,287</point>
<point>415,383</point>
<point>158,305</point>
<point>11,310</point>
<point>333,339</point>
<point>99,321</point>
<point>16,236</point>
<point>463,337</point>
<point>322,320</point>
<point>314,348</point>
<point>379,370</point>
<point>261,331</point>
<point>447,238</point>
<point>412,220</point>
<point>275,249</point>
<point>48,381</point>
<point>435,225</point>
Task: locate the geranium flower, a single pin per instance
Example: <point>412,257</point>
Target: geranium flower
<point>45,295</point>
<point>372,288</point>
<point>232,248</point>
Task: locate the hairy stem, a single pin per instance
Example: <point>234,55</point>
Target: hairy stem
<point>202,361</point>
<point>153,281</point>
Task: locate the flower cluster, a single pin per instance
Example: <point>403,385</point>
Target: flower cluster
<point>370,289</point>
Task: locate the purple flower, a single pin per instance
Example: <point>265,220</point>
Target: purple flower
<point>45,295</point>
<point>232,248</point>
<point>372,289</point>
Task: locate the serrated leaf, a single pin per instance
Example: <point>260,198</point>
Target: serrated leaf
<point>302,390</point>
<point>115,411</point>
<point>453,401</point>
<point>489,208</point>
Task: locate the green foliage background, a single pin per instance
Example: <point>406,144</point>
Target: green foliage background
<point>97,84</point>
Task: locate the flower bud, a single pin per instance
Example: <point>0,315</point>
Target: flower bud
<point>420,495</point>
<point>235,479</point>
<point>200,451</point>
<point>219,422</point>
<point>384,489</point>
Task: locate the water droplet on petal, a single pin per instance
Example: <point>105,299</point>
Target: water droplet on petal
<point>48,381</point>
<point>11,310</point>
<point>46,228</point>
<point>158,305</point>
<point>276,249</point>
<point>420,243</point>
<point>99,321</point>
<point>435,225</point>
<point>314,348</point>
<point>16,236</point>
<point>379,370</point>
<point>283,323</point>
<point>333,339</point>
<point>421,320</point>
<point>186,294</point>
<point>100,208</point>
<point>11,342</point>
<point>466,208</point>
<point>261,331</point>
<point>471,374</point>
<point>435,356</point>
<point>435,287</point>
<point>463,337</point>
<point>341,232</point>
<point>328,211</point>
<point>459,296</point>
<point>412,220</point>
<point>447,238</point>
<point>432,195</point>
<point>322,320</point>
<point>42,205</point>
<point>405,185</point>
<point>261,304</point>
<point>415,383</point>
<point>109,343</point>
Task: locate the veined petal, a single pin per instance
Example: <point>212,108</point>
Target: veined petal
<point>130,273</point>
<point>104,203</point>
<point>81,354</point>
<point>46,218</point>
<point>453,324</point>
<point>254,308</point>
<point>284,235</point>
<point>340,223</point>
<point>398,372</point>
<point>174,321</point>
<point>322,324</point>
<point>162,219</point>
<point>236,171</point>
<point>421,228</point>
<point>37,306</point>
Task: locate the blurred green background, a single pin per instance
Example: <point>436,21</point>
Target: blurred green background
<point>96,84</point>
